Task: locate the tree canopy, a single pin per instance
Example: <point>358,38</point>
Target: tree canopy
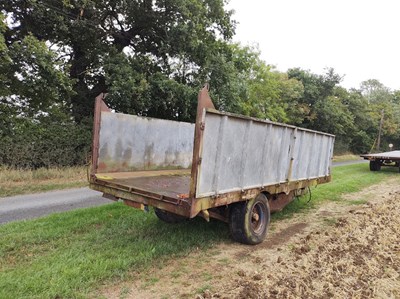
<point>132,49</point>
<point>152,57</point>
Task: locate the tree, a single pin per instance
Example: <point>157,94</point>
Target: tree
<point>374,91</point>
<point>32,81</point>
<point>160,40</point>
<point>35,125</point>
<point>379,97</point>
<point>317,90</point>
<point>247,85</point>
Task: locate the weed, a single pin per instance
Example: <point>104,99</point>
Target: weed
<point>207,276</point>
<point>150,282</point>
<point>223,261</point>
<point>330,221</point>
<point>124,292</point>
<point>176,274</point>
<point>204,288</point>
<point>357,202</point>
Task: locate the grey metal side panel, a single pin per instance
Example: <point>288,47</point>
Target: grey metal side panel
<point>240,153</point>
<point>210,150</point>
<point>130,143</point>
<point>257,150</point>
<point>313,153</point>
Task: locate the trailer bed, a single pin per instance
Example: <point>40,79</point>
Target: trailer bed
<point>391,158</point>
<point>393,155</point>
<point>167,183</point>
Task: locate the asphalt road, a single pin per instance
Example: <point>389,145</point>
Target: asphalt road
<point>41,204</point>
<point>349,162</point>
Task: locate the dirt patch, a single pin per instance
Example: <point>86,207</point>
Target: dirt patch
<point>338,251</point>
<point>283,236</point>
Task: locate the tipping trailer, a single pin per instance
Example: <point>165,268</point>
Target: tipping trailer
<point>376,161</point>
<point>236,169</point>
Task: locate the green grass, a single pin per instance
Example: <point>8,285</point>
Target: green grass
<point>352,178</point>
<point>203,288</point>
<point>23,181</point>
<point>345,179</point>
<point>72,254</point>
<point>69,254</point>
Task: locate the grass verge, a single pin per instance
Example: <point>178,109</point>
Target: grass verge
<point>346,157</point>
<point>345,179</point>
<point>72,254</point>
<point>69,254</point>
<point>15,181</point>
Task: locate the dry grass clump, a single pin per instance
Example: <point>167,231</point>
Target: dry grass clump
<point>358,258</point>
<point>21,181</point>
<point>346,157</point>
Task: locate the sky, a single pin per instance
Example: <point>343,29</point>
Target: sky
<point>360,39</point>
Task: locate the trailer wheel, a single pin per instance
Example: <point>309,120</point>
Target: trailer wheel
<point>168,216</point>
<point>374,165</point>
<point>249,221</point>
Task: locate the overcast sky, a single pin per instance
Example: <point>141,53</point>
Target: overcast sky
<point>358,38</point>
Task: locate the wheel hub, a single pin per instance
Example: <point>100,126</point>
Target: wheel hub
<point>256,217</point>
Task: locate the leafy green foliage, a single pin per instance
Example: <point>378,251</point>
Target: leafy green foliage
<point>170,40</point>
<point>353,116</point>
<point>51,141</point>
<point>152,57</point>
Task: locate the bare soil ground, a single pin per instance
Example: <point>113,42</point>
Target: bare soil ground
<point>345,249</point>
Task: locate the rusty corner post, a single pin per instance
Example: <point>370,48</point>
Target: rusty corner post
<point>99,106</point>
<point>203,101</point>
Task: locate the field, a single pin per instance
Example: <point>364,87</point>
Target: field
<point>22,181</point>
<point>347,248</point>
<point>344,243</point>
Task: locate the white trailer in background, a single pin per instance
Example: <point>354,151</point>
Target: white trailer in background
<point>376,161</point>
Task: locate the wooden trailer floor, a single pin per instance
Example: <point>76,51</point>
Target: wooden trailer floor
<point>170,183</point>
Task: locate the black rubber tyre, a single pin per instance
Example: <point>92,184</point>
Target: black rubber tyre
<point>168,216</point>
<point>249,221</point>
<point>374,165</point>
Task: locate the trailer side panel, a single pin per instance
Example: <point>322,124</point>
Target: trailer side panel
<point>240,153</point>
<point>132,143</point>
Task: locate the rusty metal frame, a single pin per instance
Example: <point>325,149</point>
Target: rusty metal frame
<point>99,107</point>
<point>191,207</point>
<point>130,196</point>
<point>224,199</point>
<point>204,102</point>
